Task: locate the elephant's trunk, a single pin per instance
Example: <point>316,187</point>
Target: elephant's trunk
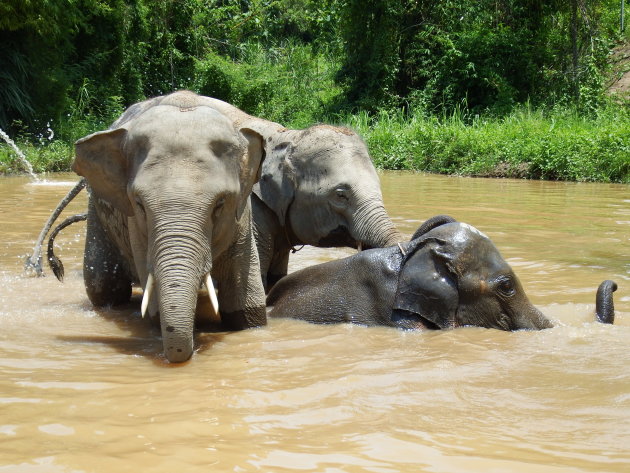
<point>181,261</point>
<point>374,228</point>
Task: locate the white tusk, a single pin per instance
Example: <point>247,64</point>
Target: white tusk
<point>146,295</point>
<point>212,294</point>
<point>360,247</point>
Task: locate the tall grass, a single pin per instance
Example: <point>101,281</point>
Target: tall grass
<point>294,85</point>
<point>535,144</point>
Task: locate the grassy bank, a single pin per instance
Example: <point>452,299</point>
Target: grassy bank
<point>533,144</point>
<point>299,63</point>
<point>558,145</point>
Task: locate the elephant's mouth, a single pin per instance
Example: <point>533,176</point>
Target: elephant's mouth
<point>410,321</point>
<point>206,291</point>
<point>341,236</point>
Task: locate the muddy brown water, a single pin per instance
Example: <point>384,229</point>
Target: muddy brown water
<point>83,390</point>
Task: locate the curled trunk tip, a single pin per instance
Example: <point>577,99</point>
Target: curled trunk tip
<point>177,314</point>
<point>604,305</point>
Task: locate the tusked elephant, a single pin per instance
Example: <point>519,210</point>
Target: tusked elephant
<point>169,209</point>
<point>318,187</point>
<point>449,275</point>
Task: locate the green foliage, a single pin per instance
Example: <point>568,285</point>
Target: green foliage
<point>370,29</point>
<point>443,85</point>
<point>560,144</point>
<point>133,49</point>
<point>486,54</point>
<point>44,156</point>
<point>48,48</point>
<point>288,83</point>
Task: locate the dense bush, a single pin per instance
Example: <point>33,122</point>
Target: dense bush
<point>558,144</point>
<point>289,83</point>
<point>434,85</point>
<point>484,55</point>
<point>51,52</point>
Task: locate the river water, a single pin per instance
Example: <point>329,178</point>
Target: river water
<point>83,390</point>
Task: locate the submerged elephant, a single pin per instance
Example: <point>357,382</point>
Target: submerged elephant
<point>449,275</point>
<point>318,187</point>
<point>169,209</point>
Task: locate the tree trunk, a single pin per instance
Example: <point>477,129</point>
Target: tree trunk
<point>574,50</point>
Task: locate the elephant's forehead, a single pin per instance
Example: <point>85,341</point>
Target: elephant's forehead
<point>168,123</point>
<point>338,166</point>
<point>477,252</point>
<point>467,229</point>
<point>322,143</point>
<point>465,239</point>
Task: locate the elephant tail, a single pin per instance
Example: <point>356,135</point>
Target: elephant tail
<point>55,263</point>
<point>34,261</point>
<point>604,305</point>
<point>432,223</point>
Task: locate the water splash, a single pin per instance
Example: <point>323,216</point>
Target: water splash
<point>21,155</point>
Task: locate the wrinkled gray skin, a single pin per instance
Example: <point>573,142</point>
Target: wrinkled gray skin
<point>169,196</point>
<point>318,187</point>
<point>604,303</point>
<point>448,277</point>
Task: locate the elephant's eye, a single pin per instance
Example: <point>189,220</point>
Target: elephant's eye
<point>341,195</point>
<point>505,285</point>
<point>139,205</point>
<point>218,207</point>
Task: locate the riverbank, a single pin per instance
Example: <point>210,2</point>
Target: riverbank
<point>531,144</point>
<point>559,145</point>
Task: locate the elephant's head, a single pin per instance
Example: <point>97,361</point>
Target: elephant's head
<point>323,187</point>
<point>183,175</point>
<point>453,276</point>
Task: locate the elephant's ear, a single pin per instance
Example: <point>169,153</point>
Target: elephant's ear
<point>101,160</point>
<point>251,165</point>
<point>426,285</point>
<point>277,183</point>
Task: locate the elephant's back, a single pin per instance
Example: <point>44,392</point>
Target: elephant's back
<point>309,294</point>
<point>358,289</point>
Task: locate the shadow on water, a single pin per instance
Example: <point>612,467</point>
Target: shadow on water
<point>144,336</point>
